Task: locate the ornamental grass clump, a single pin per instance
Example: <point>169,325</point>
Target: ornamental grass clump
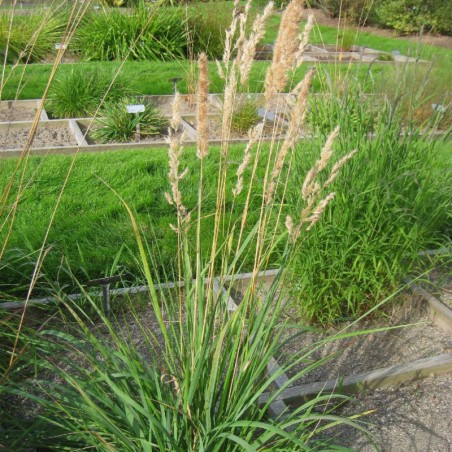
<point>32,37</point>
<point>197,376</point>
<point>116,125</point>
<point>144,34</point>
<point>77,92</point>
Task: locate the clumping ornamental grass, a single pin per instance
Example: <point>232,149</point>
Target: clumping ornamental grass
<point>194,381</point>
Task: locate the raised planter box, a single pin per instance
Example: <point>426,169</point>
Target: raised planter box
<point>21,110</point>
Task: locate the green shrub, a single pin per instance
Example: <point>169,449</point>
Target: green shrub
<point>144,34</point>
<point>356,11</point>
<point>77,93</point>
<point>412,16</point>
<point>117,125</point>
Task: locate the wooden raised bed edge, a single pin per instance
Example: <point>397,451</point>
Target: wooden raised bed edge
<point>389,376</point>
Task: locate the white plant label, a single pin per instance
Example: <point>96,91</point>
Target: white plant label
<point>139,108</point>
<point>60,46</point>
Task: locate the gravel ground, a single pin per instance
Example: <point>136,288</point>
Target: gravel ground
<point>371,351</point>
<point>412,417</point>
<point>440,284</point>
<point>17,113</point>
<point>215,127</point>
<point>16,138</point>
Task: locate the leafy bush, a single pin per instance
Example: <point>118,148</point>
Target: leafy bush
<point>144,34</point>
<point>77,93</point>
<point>357,11</point>
<point>412,16</point>
<point>117,125</point>
<point>32,37</point>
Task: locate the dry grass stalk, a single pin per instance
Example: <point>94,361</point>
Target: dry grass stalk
<point>308,189</point>
<point>311,189</point>
<point>337,167</point>
<point>174,153</point>
<point>296,121</point>
<point>254,136</point>
<point>229,38</point>
<point>304,39</point>
<point>285,49</point>
<point>248,49</point>
<point>203,108</point>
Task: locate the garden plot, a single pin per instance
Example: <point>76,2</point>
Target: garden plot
<point>440,284</point>
<point>325,53</point>
<point>49,134</point>
<point>20,110</point>
<point>331,53</point>
<point>85,126</point>
<point>410,336</point>
<point>376,350</point>
<point>271,130</point>
<point>187,104</point>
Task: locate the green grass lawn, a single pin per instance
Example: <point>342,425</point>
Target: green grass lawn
<point>151,78</point>
<point>92,230</point>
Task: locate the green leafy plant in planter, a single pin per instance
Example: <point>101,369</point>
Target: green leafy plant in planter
<point>76,93</point>
<point>117,125</point>
<point>245,115</point>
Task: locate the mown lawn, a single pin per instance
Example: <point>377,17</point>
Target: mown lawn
<point>92,230</point>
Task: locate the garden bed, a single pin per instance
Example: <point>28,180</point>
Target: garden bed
<point>13,136</point>
<point>187,104</point>
<point>20,110</point>
<point>215,129</point>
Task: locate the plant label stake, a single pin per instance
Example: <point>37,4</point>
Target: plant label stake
<point>105,283</point>
<point>139,108</point>
<point>175,81</point>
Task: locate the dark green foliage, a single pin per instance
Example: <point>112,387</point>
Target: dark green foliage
<point>208,32</point>
<point>144,34</point>
<point>78,92</point>
<point>116,125</point>
<point>355,11</point>
<point>412,16</point>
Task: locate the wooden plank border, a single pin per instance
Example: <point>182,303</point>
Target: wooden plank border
<point>380,378</point>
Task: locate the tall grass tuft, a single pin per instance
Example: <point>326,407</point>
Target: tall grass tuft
<point>115,124</point>
<point>188,372</point>
<point>77,93</point>
<point>32,37</point>
<point>144,34</point>
<point>392,202</point>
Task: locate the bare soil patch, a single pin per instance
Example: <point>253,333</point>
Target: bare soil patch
<point>215,129</point>
<point>16,138</point>
<point>350,356</point>
<point>17,113</point>
<point>187,105</point>
<point>414,416</point>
